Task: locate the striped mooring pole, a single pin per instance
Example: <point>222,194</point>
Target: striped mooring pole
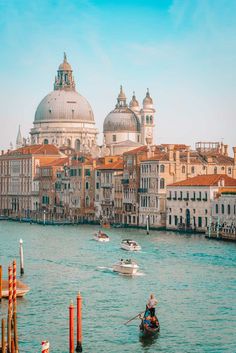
<point>45,347</point>
<point>10,295</point>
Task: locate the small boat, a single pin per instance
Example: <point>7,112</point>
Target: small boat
<point>21,289</point>
<point>106,225</point>
<point>149,326</point>
<point>126,267</point>
<point>101,236</point>
<point>130,245</point>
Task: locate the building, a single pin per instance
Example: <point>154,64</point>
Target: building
<point>224,208</point>
<point>128,127</point>
<point>64,117</point>
<point>18,169</point>
<point>189,202</point>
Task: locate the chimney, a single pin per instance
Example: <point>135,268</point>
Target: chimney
<point>226,150</point>
<point>221,148</point>
<point>171,152</point>
<point>94,163</point>
<point>2,152</point>
<point>234,149</point>
<point>188,154</point>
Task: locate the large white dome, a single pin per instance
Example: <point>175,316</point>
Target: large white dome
<point>64,105</point>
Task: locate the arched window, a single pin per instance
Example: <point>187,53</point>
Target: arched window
<point>151,119</point>
<point>192,170</point>
<point>162,168</point>
<point>222,209</point>
<point>45,141</point>
<point>217,209</point>
<point>147,119</point>
<point>77,145</point>
<point>228,207</point>
<point>68,142</point>
<point>162,183</point>
<point>87,201</point>
<point>230,171</point>
<point>215,170</point>
<point>183,169</point>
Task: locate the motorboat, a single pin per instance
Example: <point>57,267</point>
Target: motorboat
<point>130,245</point>
<point>101,236</point>
<point>149,326</point>
<point>126,267</point>
<point>21,288</point>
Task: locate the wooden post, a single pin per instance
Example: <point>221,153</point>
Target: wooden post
<point>0,282</point>
<point>79,323</point>
<point>15,332</point>
<point>9,321</point>
<point>3,337</point>
<point>71,327</point>
<point>12,346</point>
<point>21,258</point>
<point>147,225</point>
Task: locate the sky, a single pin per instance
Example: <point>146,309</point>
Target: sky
<point>184,51</point>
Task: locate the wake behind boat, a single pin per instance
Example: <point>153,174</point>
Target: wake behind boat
<point>149,326</point>
<point>101,236</point>
<point>126,267</point>
<point>130,245</point>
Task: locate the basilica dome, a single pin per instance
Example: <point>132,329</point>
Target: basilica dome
<point>121,118</point>
<point>64,105</point>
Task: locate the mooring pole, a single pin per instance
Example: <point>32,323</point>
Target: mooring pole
<point>12,346</point>
<point>0,282</point>
<point>21,258</point>
<point>9,309</point>
<point>3,337</point>
<point>79,323</point>
<point>15,308</point>
<point>71,328</point>
<point>147,224</point>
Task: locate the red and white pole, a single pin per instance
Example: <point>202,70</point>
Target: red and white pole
<point>79,323</point>
<point>14,285</point>
<point>71,328</point>
<point>10,294</point>
<point>45,347</point>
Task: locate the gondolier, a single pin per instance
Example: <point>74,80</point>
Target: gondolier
<point>151,304</point>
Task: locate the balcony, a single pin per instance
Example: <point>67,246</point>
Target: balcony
<point>125,181</point>
<point>142,190</point>
<point>199,199</point>
<point>169,198</point>
<point>106,185</point>
<point>186,198</point>
<point>193,198</point>
<point>175,198</point>
<point>180,198</point>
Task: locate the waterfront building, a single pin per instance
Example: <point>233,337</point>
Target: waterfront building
<point>19,193</point>
<point>224,208</point>
<point>189,202</point>
<point>128,127</point>
<point>111,172</point>
<point>64,117</point>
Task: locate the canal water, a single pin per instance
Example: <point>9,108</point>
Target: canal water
<point>194,280</point>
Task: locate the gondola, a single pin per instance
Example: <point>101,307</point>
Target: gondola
<point>149,326</point>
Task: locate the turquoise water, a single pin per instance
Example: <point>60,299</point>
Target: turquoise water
<point>194,280</point>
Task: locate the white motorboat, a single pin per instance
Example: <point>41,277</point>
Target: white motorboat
<point>126,267</point>
<point>130,245</point>
<point>101,236</point>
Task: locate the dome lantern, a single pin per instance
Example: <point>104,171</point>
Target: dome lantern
<point>133,103</point>
<point>121,99</point>
<point>64,79</point>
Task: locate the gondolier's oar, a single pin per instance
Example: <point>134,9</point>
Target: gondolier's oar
<point>125,323</point>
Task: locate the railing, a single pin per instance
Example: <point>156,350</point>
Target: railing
<point>107,185</point>
<point>142,190</point>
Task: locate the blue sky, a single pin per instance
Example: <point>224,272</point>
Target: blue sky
<point>183,50</point>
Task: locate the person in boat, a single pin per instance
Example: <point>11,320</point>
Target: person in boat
<point>151,305</point>
<point>154,322</point>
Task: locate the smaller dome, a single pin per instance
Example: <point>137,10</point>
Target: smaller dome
<point>122,119</point>
<point>133,103</point>
<point>147,100</point>
<point>65,66</point>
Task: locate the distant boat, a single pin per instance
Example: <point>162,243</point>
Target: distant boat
<point>101,236</point>
<point>126,267</point>
<point>130,245</point>
<point>149,326</point>
<point>106,225</point>
<point>21,289</point>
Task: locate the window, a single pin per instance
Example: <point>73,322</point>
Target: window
<point>97,185</point>
<point>162,183</point>
<point>205,211</point>
<point>222,209</point>
<point>73,172</point>
<point>192,170</point>
<point>228,208</point>
<point>229,170</point>
<point>77,145</point>
<point>45,141</point>
<point>183,169</point>
<point>217,209</point>
<point>176,220</point>
<point>87,185</point>
<point>87,201</point>
<point>87,172</point>
<point>114,138</point>
<point>150,119</point>
<point>215,170</point>
<point>199,222</point>
<point>205,221</point>
<point>79,172</point>
<point>162,168</point>
<point>169,219</point>
<point>147,119</point>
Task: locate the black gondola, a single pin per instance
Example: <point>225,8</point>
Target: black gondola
<point>149,326</point>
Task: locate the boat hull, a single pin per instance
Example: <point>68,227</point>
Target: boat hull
<point>125,270</point>
<point>130,248</point>
<point>21,289</point>
<point>101,239</point>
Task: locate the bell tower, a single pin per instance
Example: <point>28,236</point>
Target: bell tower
<point>147,120</point>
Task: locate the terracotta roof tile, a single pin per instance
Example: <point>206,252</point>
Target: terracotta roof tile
<point>206,180</point>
